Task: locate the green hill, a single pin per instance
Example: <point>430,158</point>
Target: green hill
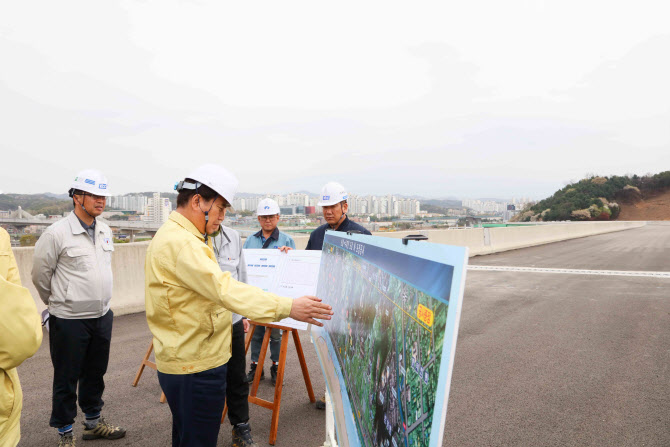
<point>54,204</point>
<point>35,203</point>
<point>595,198</point>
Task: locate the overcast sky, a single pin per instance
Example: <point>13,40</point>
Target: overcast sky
<point>470,99</point>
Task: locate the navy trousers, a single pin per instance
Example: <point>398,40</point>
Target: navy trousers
<point>196,402</point>
<point>79,353</point>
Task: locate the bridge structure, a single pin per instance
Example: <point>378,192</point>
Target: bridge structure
<point>131,228</point>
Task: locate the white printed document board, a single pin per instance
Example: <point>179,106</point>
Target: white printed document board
<point>291,274</point>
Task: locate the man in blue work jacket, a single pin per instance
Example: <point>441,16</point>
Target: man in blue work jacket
<point>333,201</point>
<point>268,237</point>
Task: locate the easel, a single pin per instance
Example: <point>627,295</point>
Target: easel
<point>276,402</point>
<point>150,364</point>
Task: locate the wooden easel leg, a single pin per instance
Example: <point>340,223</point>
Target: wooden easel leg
<point>147,362</point>
<point>144,362</point>
<point>276,403</point>
<point>303,365</point>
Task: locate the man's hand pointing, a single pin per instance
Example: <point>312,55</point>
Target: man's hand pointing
<point>309,309</point>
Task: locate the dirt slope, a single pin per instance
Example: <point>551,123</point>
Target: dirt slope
<point>656,207</point>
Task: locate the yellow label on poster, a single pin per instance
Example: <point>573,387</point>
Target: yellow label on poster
<point>425,315</point>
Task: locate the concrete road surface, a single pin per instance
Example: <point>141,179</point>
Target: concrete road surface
<point>543,359</point>
<point>566,360</point>
<point>149,422</point>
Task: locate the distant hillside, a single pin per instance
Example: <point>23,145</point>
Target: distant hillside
<point>49,203</point>
<point>652,207</point>
<point>35,203</point>
<point>439,206</point>
<point>56,196</point>
<point>597,198</point>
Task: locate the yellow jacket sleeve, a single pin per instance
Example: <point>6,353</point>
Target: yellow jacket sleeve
<point>197,271</point>
<point>8,267</point>
<point>20,325</point>
<point>20,337</point>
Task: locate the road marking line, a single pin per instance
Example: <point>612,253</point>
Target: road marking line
<point>495,268</point>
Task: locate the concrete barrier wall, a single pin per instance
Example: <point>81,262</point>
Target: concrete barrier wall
<point>511,238</point>
<point>127,267</point>
<point>472,238</point>
<point>128,259</point>
<point>483,241</point>
<point>300,242</point>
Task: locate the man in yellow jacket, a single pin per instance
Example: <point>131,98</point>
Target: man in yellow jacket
<point>189,301</point>
<point>20,338</point>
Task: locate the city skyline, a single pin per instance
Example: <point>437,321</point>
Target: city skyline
<point>300,202</point>
<point>528,197</point>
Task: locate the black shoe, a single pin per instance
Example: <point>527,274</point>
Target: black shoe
<point>273,374</point>
<point>321,403</point>
<point>252,373</point>
<point>242,436</point>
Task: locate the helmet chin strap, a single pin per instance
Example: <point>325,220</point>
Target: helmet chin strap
<point>206,222</point>
<point>339,221</point>
<point>206,214</point>
<point>81,204</point>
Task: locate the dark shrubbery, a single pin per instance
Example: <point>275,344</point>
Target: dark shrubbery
<point>586,194</point>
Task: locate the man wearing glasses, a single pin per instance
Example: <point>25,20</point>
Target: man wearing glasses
<point>72,272</point>
<point>268,237</point>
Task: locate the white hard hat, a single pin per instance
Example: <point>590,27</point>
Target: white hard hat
<point>91,181</point>
<point>331,194</point>
<point>267,207</point>
<point>216,177</point>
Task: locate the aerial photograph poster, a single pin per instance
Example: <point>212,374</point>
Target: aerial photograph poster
<point>388,352</point>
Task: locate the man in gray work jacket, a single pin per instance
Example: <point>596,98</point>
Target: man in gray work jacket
<point>227,246</point>
<point>72,272</point>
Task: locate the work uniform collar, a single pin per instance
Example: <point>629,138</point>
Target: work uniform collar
<point>183,222</point>
<point>84,226</point>
<point>343,226</point>
<point>274,235</point>
<point>225,239</point>
<point>75,224</point>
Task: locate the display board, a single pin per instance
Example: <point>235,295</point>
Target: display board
<point>293,274</point>
<point>388,352</point>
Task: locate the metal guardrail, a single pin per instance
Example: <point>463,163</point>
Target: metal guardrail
<point>130,225</point>
<point>14,221</point>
